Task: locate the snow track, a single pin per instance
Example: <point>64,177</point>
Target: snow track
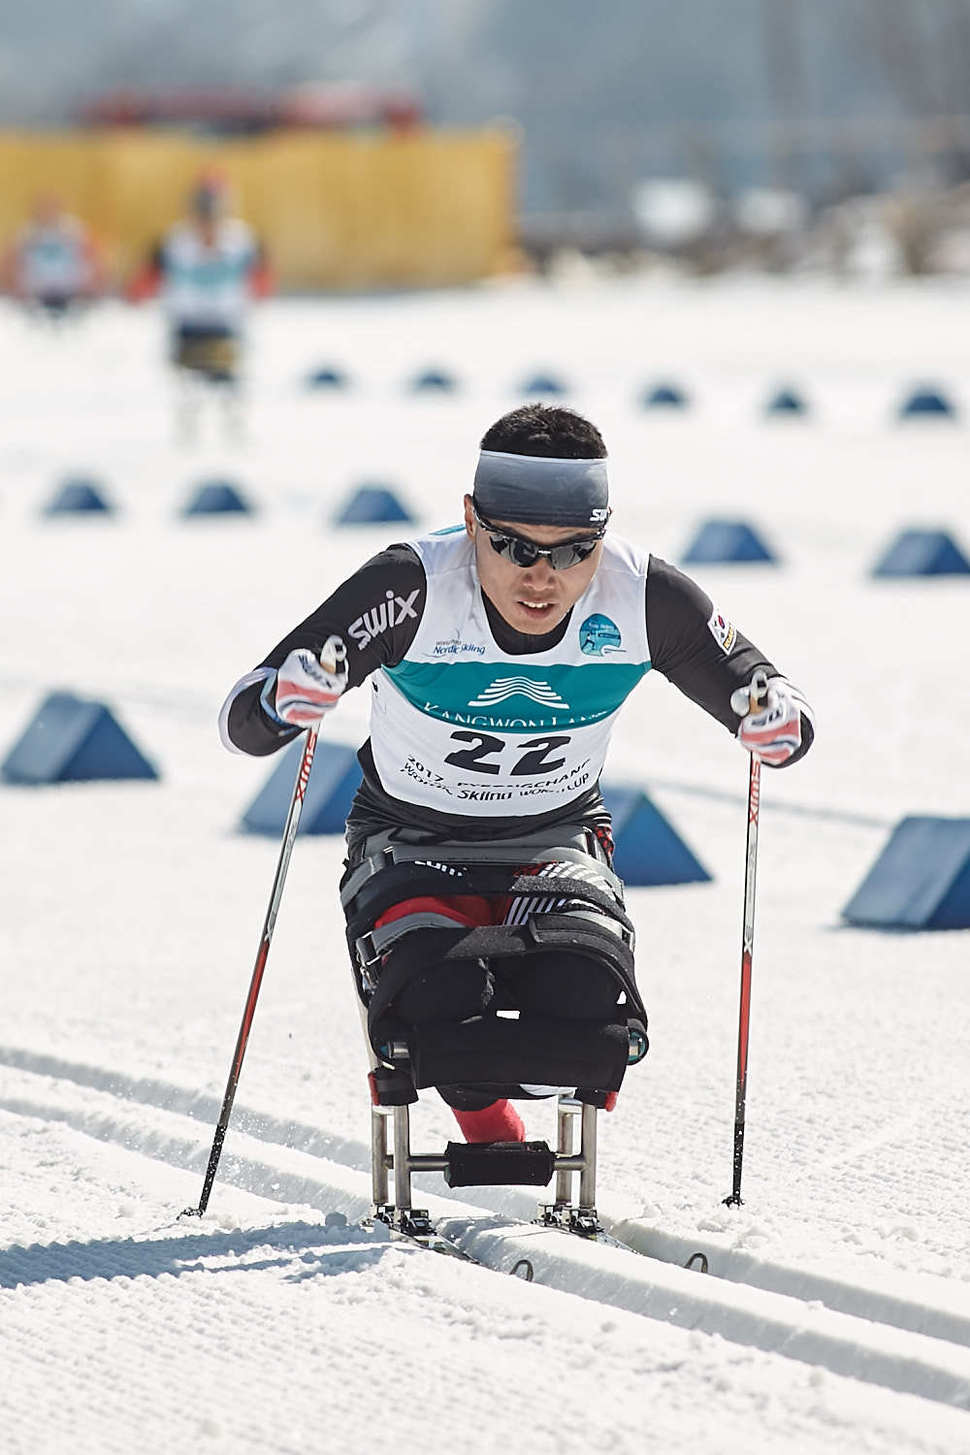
<point>909,1342</point>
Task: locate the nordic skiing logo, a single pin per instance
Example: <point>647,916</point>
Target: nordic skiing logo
<point>504,687</point>
<point>599,636</point>
<point>454,647</point>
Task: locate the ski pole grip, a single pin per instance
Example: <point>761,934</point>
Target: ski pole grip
<point>753,697</point>
<point>758,691</point>
<point>333,655</point>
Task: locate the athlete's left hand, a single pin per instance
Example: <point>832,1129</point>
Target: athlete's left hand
<point>773,731</point>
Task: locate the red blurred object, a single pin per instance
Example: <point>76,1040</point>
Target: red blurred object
<point>229,109</point>
<point>145,283</point>
<point>262,281</point>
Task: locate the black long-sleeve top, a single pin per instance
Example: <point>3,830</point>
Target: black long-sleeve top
<point>377,611</point>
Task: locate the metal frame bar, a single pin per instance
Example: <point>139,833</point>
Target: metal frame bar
<point>378,1156</point>
<point>587,1176</point>
<point>583,1161</point>
<point>404,1163</point>
<point>564,1149</point>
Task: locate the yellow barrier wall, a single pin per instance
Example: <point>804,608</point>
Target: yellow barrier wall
<point>335,211</point>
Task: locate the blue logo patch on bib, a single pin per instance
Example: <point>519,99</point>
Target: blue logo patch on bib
<point>599,636</point>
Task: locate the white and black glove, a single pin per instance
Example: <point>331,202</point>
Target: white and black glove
<point>306,687</point>
<point>771,719</point>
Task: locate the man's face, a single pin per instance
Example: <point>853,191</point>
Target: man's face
<point>531,598</point>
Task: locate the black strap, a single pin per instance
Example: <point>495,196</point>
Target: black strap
<point>540,1050</point>
<point>415,881</point>
<point>555,931</point>
<point>540,932</point>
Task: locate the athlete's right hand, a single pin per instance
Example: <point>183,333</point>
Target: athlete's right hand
<point>771,728</point>
<point>307,687</point>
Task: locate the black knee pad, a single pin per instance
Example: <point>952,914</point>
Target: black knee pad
<point>560,983</point>
<point>446,993</point>
<point>416,984</point>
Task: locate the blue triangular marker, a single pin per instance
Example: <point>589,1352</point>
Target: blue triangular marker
<point>372,505</point>
<point>334,779</point>
<point>649,851</point>
<point>665,396</point>
<point>78,497</point>
<point>786,401</point>
<point>927,403</point>
<point>921,879</point>
<point>73,740</point>
<point>720,542</point>
<point>922,553</point>
<point>216,497</point>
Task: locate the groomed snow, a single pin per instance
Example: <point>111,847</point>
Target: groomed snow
<point>132,911</point>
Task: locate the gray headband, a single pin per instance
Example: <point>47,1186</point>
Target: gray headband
<point>537,490</point>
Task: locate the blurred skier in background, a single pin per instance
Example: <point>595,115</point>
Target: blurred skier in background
<point>207,269</point>
<point>53,265</point>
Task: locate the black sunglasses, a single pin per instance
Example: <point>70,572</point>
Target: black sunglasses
<point>525,553</point>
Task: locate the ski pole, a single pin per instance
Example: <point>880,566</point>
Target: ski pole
<point>754,696</point>
<point>289,834</point>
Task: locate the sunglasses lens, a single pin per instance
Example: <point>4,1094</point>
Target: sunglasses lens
<point>503,546</point>
<point>524,553</point>
<point>562,557</point>
<point>520,553</point>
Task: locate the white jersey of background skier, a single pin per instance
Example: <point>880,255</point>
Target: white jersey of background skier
<point>207,279</point>
<point>52,260</point>
<point>207,268</point>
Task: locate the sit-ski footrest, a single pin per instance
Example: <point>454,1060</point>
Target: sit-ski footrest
<point>499,1164</point>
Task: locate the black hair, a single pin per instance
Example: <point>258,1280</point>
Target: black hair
<point>545,429</point>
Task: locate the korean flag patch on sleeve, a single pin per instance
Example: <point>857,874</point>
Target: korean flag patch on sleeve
<point>724,632</point>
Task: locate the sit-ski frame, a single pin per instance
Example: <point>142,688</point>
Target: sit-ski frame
<point>578,1215</point>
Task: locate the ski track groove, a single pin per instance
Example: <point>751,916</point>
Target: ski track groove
<point>951,1325</point>
<point>858,1331</point>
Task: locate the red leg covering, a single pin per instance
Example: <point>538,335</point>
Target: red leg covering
<point>499,1122</point>
<point>464,909</point>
